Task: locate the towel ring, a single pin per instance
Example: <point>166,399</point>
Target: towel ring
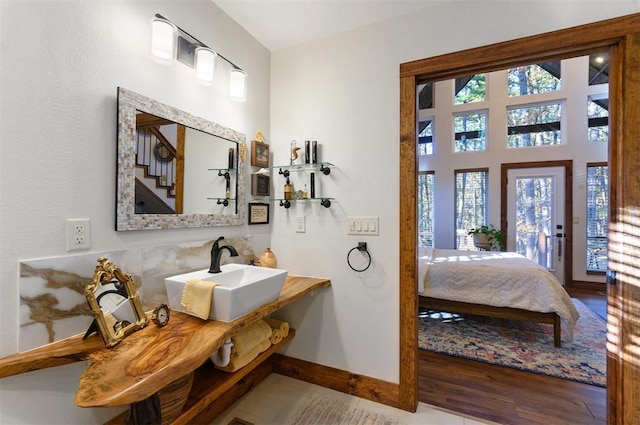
<point>362,246</point>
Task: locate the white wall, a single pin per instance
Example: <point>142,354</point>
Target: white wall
<point>61,64</point>
<point>344,92</point>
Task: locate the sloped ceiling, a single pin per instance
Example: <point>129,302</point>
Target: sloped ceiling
<point>278,24</point>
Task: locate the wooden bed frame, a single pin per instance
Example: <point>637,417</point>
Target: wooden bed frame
<point>498,312</point>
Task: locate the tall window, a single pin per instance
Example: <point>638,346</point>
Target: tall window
<point>598,118</point>
<point>532,79</point>
<point>469,130</point>
<point>597,216</point>
<point>471,204</point>
<point>425,208</point>
<point>537,125</point>
<point>425,137</point>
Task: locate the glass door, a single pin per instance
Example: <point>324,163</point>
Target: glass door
<point>535,209</point>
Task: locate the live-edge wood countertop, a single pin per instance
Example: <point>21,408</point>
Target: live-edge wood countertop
<point>150,358</point>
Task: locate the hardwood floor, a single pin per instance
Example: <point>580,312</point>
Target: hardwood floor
<point>509,396</point>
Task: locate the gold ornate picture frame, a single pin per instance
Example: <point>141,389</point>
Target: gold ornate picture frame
<point>114,302</point>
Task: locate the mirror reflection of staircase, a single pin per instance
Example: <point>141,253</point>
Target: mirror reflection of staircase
<point>147,202</point>
<point>157,165</point>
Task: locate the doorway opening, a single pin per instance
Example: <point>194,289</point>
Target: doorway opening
<point>620,38</point>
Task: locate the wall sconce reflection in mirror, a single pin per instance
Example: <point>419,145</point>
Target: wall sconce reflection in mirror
<point>169,43</point>
<point>114,303</point>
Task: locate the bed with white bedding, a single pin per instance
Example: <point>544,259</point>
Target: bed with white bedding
<point>492,283</point>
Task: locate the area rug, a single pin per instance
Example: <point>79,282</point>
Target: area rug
<point>325,411</point>
<point>521,345</point>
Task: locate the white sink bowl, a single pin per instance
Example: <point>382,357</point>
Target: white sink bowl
<point>243,288</point>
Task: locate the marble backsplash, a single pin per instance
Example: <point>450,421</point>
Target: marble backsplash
<point>52,301</point>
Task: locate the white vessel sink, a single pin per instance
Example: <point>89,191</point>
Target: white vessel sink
<point>243,288</point>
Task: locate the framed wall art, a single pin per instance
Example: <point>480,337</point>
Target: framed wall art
<point>259,154</point>
<point>258,213</point>
<point>260,185</point>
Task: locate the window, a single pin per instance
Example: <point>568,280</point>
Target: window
<point>425,208</point>
<point>470,89</point>
<point>425,137</point>
<point>532,79</point>
<point>469,130</point>
<point>598,117</point>
<point>599,68</point>
<point>537,125</point>
<point>425,96</point>
<point>597,216</point>
<point>471,204</point>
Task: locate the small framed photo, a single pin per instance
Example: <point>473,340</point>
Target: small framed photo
<point>258,213</point>
<point>260,185</point>
<point>259,154</point>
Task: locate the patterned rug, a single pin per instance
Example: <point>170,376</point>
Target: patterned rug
<point>521,345</point>
<point>325,411</point>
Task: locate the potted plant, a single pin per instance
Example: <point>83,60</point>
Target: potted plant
<point>487,237</point>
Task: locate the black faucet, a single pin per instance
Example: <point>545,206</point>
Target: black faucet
<point>216,253</point>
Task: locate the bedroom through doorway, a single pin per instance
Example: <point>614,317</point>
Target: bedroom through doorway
<point>546,237</point>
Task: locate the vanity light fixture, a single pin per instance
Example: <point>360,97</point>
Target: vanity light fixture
<point>169,43</point>
<point>205,65</point>
<point>163,41</point>
<point>237,86</point>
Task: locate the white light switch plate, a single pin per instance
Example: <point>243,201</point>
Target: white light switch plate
<point>362,226</point>
<point>300,225</point>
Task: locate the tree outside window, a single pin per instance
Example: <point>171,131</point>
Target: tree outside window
<point>425,137</point>
<point>425,208</point>
<point>471,204</point>
<point>598,119</point>
<point>533,79</point>
<point>469,131</point>
<point>470,89</point>
<point>532,126</point>
<point>597,216</point>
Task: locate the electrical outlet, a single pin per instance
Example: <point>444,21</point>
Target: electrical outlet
<point>78,234</point>
<point>300,227</point>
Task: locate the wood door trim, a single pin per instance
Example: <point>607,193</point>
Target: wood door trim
<point>568,204</point>
<point>564,43</point>
<point>408,246</point>
<point>619,36</point>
